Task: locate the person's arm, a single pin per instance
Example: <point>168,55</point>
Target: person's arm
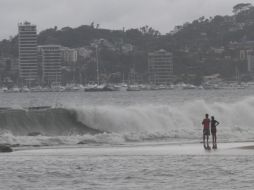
<point>217,123</point>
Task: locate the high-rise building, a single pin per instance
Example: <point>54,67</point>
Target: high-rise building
<point>160,67</point>
<point>50,61</point>
<point>28,62</point>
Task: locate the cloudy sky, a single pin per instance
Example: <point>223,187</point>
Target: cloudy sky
<point>162,15</point>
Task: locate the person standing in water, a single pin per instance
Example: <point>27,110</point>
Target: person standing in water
<point>206,131</point>
<point>214,123</point>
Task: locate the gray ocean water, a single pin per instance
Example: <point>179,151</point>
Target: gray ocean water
<point>151,140</point>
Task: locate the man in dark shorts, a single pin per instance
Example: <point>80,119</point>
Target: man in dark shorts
<point>214,123</point>
<point>206,131</point>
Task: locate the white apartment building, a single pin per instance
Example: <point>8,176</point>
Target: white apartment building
<point>28,62</point>
<point>50,58</point>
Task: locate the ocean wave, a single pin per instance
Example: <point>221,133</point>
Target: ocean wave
<point>172,121</point>
<point>45,121</point>
<point>117,124</point>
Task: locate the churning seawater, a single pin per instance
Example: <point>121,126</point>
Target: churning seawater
<point>127,140</point>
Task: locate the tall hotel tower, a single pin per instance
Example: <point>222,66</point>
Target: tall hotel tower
<point>28,61</point>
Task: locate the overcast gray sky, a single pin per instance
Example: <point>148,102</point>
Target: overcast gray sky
<point>162,15</point>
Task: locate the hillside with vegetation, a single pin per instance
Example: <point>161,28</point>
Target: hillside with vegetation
<point>201,47</point>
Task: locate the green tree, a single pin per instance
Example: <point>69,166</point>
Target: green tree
<point>241,7</point>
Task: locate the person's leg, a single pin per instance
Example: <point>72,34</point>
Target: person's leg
<point>204,140</point>
<point>207,137</point>
<point>214,139</point>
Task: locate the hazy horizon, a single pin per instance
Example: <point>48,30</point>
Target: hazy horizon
<point>162,15</point>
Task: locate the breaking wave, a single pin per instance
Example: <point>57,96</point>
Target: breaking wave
<point>116,124</point>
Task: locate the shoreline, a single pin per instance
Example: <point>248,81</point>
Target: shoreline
<point>250,147</point>
<point>165,149</point>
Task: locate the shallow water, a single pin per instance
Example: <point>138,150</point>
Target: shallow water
<point>162,166</point>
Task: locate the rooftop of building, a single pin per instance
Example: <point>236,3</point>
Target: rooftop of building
<point>25,23</point>
<point>160,52</point>
<point>50,46</point>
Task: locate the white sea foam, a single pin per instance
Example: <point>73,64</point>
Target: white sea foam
<point>178,121</point>
<point>149,122</point>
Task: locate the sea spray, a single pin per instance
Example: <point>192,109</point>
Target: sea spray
<point>119,124</point>
<point>181,121</point>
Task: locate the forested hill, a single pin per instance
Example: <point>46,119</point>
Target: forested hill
<point>196,37</point>
<point>217,31</point>
<point>142,38</point>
